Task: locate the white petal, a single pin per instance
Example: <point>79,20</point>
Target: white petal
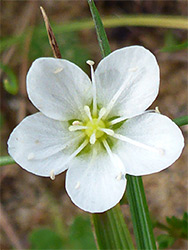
<point>94,183</point>
<point>40,144</point>
<point>154,130</point>
<point>58,88</point>
<point>134,72</point>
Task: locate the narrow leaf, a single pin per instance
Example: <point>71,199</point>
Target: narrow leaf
<point>101,34</point>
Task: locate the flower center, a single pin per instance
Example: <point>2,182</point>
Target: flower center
<point>94,126</point>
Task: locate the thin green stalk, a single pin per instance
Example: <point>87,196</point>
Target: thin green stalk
<point>6,160</point>
<point>111,230</point>
<point>142,224</point>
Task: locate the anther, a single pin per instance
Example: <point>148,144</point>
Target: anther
<point>157,110</point>
<point>90,62</point>
<point>30,156</point>
<point>119,176</point>
<point>92,139</point>
<point>58,70</point>
<point>77,185</point>
<point>88,112</point>
<point>76,123</point>
<point>52,175</point>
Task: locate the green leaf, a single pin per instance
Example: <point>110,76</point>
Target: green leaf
<point>45,239</point>
<point>101,34</point>
<point>165,241</point>
<point>81,236</point>
<point>111,230</point>
<point>140,214</point>
<point>180,121</point>
<point>178,227</point>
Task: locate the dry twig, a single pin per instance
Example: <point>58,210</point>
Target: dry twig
<point>51,36</point>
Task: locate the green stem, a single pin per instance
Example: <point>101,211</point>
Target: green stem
<point>172,22</point>
<point>6,160</point>
<point>111,230</point>
<point>142,224</point>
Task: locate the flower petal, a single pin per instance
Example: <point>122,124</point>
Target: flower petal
<point>58,88</point>
<point>94,183</point>
<point>132,74</point>
<point>41,145</point>
<point>156,131</point>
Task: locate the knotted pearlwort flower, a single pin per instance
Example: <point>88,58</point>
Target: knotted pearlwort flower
<point>97,130</point>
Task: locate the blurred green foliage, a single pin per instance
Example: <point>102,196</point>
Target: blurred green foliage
<point>10,82</point>
<point>80,236</point>
<point>175,229</point>
<point>45,238</point>
<point>172,43</point>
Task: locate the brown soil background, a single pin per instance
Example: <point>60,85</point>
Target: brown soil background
<point>25,197</point>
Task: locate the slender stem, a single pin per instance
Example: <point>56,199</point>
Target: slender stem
<point>111,230</point>
<point>6,160</point>
<point>142,224</point>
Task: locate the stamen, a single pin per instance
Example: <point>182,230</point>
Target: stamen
<point>76,123</point>
<point>115,97</point>
<point>121,89</point>
<point>91,63</point>
<point>76,127</point>
<point>30,156</point>
<point>101,113</point>
<point>107,131</point>
<point>117,120</point>
<point>88,112</point>
<point>92,139</point>
<point>52,175</point>
<point>115,160</point>
<point>139,144</point>
<point>107,148</point>
<point>77,185</point>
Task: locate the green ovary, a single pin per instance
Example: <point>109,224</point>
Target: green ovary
<point>94,126</point>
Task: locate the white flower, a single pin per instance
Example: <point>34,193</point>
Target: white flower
<point>97,130</point>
